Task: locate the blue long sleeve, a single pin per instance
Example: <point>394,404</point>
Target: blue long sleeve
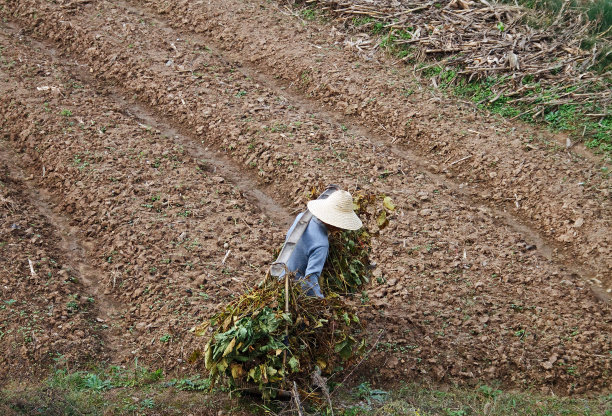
<point>316,261</point>
<point>309,255</point>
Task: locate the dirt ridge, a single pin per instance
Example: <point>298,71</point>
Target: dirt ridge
<point>54,292</point>
<point>554,197</point>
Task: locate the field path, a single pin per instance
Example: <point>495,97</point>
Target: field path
<point>173,143</point>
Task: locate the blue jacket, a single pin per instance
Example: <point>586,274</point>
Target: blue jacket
<point>309,255</point>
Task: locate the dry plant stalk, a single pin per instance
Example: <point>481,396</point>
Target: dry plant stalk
<point>485,39</point>
<point>6,203</point>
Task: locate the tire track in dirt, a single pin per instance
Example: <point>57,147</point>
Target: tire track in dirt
<point>440,254</point>
<point>562,195</point>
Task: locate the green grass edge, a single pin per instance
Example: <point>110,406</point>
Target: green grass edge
<point>136,389</point>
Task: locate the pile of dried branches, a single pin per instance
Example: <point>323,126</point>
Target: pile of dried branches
<point>482,39</point>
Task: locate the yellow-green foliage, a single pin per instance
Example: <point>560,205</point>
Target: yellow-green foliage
<point>347,267</point>
<point>253,339</point>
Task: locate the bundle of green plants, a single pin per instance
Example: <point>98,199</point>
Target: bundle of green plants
<point>275,334</point>
<point>259,339</point>
<point>347,268</point>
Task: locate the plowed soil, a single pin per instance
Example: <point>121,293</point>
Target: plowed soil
<point>144,142</point>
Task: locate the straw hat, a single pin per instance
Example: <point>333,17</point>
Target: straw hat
<point>336,210</point>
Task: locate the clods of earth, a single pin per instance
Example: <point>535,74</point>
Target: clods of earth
<point>152,155</point>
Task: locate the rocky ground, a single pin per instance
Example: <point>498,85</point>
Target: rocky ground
<point>144,142</point>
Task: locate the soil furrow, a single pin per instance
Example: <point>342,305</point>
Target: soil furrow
<point>519,168</point>
<point>157,221</point>
<point>219,164</point>
<point>460,294</point>
<point>49,312</point>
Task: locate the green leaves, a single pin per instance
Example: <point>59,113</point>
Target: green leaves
<point>251,346</point>
<point>344,348</point>
<point>345,270</point>
<point>294,364</point>
<point>249,342</point>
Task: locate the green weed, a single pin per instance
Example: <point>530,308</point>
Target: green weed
<point>378,28</point>
<point>194,383</point>
<point>362,21</point>
<point>137,390</point>
<point>309,13</point>
<point>364,391</point>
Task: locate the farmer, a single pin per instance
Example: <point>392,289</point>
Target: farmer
<point>329,215</point>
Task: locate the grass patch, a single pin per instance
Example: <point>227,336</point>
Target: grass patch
<point>580,121</point>
<point>116,390</point>
<point>416,399</point>
<point>111,390</point>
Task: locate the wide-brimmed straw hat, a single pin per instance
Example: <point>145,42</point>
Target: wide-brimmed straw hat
<point>336,210</point>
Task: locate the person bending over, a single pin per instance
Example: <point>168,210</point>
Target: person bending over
<point>308,258</point>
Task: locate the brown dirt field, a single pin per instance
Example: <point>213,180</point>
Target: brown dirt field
<point>156,136</point>
<point>46,312</point>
